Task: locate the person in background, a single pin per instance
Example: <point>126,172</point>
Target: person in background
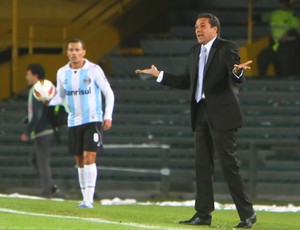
<point>40,131</point>
<point>80,84</point>
<point>284,48</point>
<point>213,74</point>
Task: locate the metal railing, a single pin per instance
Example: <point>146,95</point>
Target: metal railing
<point>254,147</point>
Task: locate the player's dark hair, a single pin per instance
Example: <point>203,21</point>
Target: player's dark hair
<point>213,20</point>
<point>37,69</point>
<point>76,40</point>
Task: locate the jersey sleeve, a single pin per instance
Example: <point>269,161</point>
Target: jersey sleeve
<point>107,92</point>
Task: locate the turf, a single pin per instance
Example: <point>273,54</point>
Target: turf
<point>61,215</point>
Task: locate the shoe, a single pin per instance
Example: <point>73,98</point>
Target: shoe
<point>54,189</point>
<point>247,223</point>
<point>84,205</point>
<point>196,220</point>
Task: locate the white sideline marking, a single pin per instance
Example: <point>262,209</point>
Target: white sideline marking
<point>187,203</point>
<point>95,220</point>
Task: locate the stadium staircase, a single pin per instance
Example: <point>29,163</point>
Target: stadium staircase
<point>168,49</point>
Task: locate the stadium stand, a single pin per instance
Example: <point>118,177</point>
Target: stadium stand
<point>149,150</point>
<point>150,115</point>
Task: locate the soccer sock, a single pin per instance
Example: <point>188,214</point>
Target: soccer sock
<point>90,182</point>
<point>81,179</point>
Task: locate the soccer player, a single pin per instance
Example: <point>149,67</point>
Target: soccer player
<point>80,84</point>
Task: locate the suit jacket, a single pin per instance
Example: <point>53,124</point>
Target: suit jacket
<point>220,85</point>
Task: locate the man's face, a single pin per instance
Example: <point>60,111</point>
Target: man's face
<point>204,31</point>
<point>75,53</point>
<point>31,78</point>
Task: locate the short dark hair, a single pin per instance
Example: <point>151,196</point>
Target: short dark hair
<point>37,69</point>
<point>77,40</point>
<point>213,20</point>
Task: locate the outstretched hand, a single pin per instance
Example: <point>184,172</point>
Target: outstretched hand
<point>152,71</point>
<point>238,68</point>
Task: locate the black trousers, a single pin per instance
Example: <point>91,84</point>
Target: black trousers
<point>40,159</point>
<point>209,141</point>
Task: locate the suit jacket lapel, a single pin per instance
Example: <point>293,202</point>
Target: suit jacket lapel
<point>194,66</point>
<point>212,52</point>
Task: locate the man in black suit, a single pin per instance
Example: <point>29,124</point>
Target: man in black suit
<point>215,116</point>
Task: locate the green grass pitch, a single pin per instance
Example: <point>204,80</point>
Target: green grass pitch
<point>19,213</point>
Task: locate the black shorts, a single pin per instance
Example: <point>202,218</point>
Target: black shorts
<point>86,137</point>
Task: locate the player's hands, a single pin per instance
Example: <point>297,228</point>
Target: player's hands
<point>238,68</point>
<point>24,137</point>
<point>152,71</point>
<point>46,102</point>
<point>106,124</point>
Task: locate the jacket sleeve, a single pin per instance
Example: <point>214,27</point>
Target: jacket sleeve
<point>232,57</point>
<point>176,81</point>
<point>38,108</point>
